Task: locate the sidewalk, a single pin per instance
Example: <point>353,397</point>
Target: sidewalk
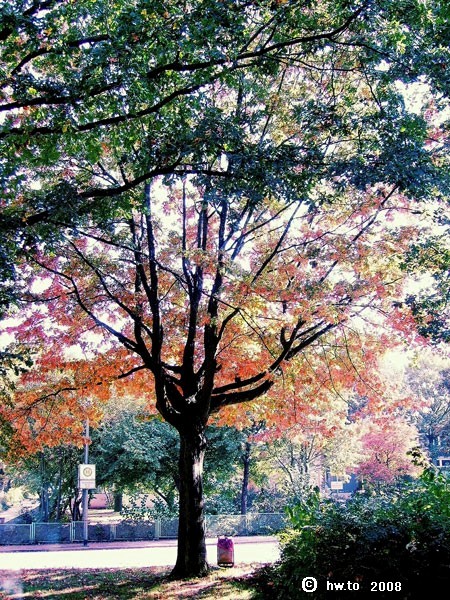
<point>79,546</point>
<point>150,553</point>
<point>251,539</point>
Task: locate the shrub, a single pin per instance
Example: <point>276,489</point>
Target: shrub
<point>395,542</point>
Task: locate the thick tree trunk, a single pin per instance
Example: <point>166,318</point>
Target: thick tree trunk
<point>44,504</point>
<point>118,501</point>
<point>245,478</point>
<point>191,559</point>
<point>59,492</point>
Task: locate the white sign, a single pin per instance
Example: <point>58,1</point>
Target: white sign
<point>86,477</point>
<point>337,485</point>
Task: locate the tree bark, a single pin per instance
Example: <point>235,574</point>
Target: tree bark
<point>75,509</point>
<point>59,489</point>
<point>44,508</point>
<point>245,478</point>
<point>44,505</point>
<point>191,559</point>
<point>118,501</point>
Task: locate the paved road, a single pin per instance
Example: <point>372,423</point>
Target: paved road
<point>132,554</point>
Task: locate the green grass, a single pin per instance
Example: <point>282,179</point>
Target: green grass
<point>110,584</point>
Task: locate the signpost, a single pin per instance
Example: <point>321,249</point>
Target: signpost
<point>86,477</point>
<point>86,482</point>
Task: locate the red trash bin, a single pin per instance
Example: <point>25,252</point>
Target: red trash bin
<point>225,551</point>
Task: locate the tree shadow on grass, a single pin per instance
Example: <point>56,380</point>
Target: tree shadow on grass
<point>77,584</point>
<point>126,584</point>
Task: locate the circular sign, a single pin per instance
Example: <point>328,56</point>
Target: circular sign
<point>87,472</point>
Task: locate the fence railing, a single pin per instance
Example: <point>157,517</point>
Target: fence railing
<point>60,533</point>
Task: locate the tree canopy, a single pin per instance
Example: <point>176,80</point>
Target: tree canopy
<point>209,197</point>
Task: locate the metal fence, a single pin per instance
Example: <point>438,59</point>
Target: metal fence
<point>60,533</point>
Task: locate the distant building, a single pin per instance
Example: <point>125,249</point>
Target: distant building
<point>443,462</point>
<point>340,486</point>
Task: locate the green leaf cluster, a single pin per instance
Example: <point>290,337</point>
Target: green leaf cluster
<point>139,456</point>
<point>100,96</point>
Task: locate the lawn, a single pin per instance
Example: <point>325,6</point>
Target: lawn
<point>108,584</point>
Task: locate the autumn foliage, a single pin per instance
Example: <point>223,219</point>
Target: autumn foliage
<point>387,445</point>
<point>297,291</point>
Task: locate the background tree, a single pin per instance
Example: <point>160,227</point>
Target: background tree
<point>138,455</point>
<point>429,258</point>
<point>428,381</point>
<point>430,306</point>
<point>292,467</point>
<point>224,472</point>
<point>14,361</point>
<point>133,455</point>
<point>207,187</point>
<point>51,477</point>
<point>386,446</point>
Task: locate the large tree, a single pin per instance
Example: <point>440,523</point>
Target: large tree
<point>210,188</point>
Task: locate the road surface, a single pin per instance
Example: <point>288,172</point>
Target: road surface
<point>261,549</point>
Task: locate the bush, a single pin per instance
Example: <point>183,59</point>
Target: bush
<point>395,543</point>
